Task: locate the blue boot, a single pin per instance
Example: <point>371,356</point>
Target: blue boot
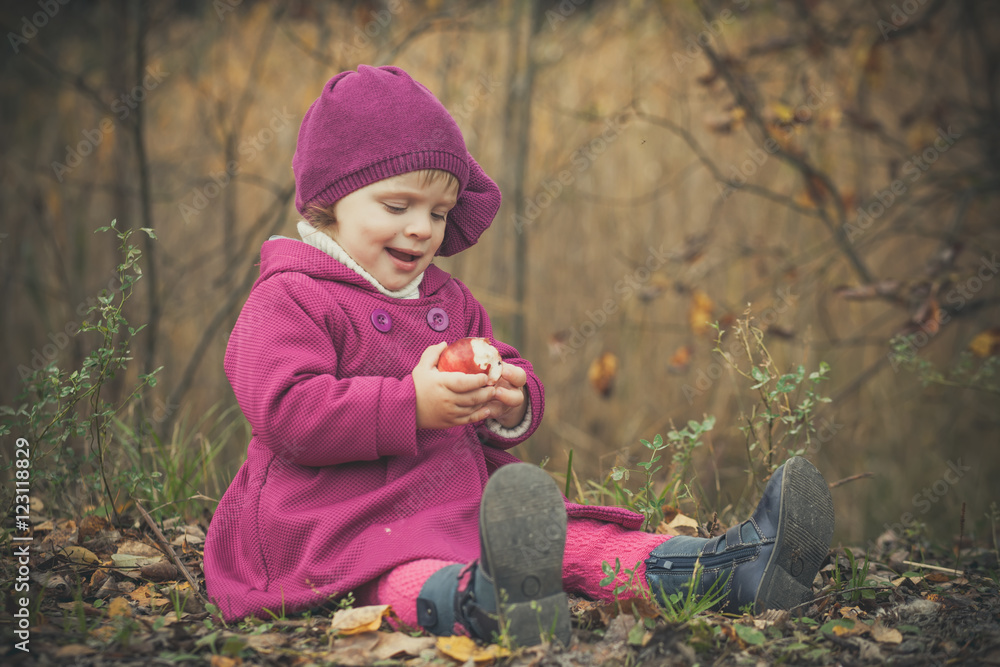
<point>768,561</point>
<point>522,537</point>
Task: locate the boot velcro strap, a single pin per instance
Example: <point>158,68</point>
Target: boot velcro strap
<point>733,538</point>
<point>482,623</point>
<point>712,546</point>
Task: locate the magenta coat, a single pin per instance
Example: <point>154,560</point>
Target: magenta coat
<point>339,485</point>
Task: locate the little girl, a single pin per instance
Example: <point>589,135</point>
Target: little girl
<point>370,471</point>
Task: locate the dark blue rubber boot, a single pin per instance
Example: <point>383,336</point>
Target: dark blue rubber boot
<point>768,561</point>
<point>515,588</point>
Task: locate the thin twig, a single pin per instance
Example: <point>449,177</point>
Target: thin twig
<point>845,590</point>
<point>169,550</point>
<point>860,475</point>
<point>936,568</point>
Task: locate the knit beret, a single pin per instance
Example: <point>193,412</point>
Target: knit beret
<point>377,123</point>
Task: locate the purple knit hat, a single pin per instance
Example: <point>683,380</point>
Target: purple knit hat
<point>376,123</point>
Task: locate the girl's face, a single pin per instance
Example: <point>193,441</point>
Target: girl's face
<point>393,227</point>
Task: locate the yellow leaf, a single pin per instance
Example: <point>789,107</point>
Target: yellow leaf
<point>104,633</point>
<point>781,113</point>
<point>119,607</point>
<point>738,114</point>
<point>856,628</point>
<point>144,593</point>
<point>225,661</point>
<point>850,612</point>
<point>921,134</point>
<point>700,312</point>
<point>358,620</point>
<point>602,373</point>
<point>986,343</point>
<point>80,555</point>
<point>464,649</point>
<point>885,635</point>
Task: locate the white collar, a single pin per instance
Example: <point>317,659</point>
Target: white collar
<point>323,242</point>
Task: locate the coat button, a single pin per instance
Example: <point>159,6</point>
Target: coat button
<point>382,320</point>
<point>437,319</point>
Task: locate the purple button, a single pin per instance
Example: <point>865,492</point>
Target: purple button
<point>382,320</point>
<point>437,319</point>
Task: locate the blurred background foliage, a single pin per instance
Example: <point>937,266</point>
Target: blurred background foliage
<point>664,164</point>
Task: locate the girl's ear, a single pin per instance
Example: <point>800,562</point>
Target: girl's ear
<point>320,217</point>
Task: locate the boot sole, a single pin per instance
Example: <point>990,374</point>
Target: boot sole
<point>805,530</point>
<point>522,524</point>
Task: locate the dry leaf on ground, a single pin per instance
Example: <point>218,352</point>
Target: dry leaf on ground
<point>885,635</point>
<point>399,644</point>
<point>464,649</point>
<point>79,555</point>
<point>358,620</point>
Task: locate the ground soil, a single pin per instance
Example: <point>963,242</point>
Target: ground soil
<point>103,595</point>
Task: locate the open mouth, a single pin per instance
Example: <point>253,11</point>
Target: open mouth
<point>403,256</point>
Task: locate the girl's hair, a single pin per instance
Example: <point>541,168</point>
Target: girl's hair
<point>321,217</point>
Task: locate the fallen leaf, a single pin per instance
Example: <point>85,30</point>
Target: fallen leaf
<point>104,633</point>
<point>144,593</point>
<point>192,534</point>
<point>775,617</point>
<point>353,650</point>
<point>136,548</point>
<point>92,526</point>
<point>108,588</point>
<point>225,661</point>
<point>75,651</point>
<point>700,312</point>
<point>681,521</point>
<point>937,577</point>
<point>841,627</point>
<point>602,373</point>
<point>98,578</point>
<point>464,649</point>
<point>80,555</point>
<point>162,570</point>
<point>359,619</point>
<point>986,343</point>
<point>885,635</point>
<point>133,562</point>
<point>680,359</point>
<point>638,606</point>
<point>399,644</point>
<point>849,612</point>
<point>119,607</point>
<point>266,641</point>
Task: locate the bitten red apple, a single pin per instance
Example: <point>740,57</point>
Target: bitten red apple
<point>471,355</point>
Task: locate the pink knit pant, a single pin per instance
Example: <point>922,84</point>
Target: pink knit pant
<point>588,543</point>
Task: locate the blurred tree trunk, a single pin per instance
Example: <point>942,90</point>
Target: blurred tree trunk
<point>521,71</point>
<point>145,198</point>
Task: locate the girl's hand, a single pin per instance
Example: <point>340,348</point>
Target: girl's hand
<point>509,404</point>
<point>449,399</point>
